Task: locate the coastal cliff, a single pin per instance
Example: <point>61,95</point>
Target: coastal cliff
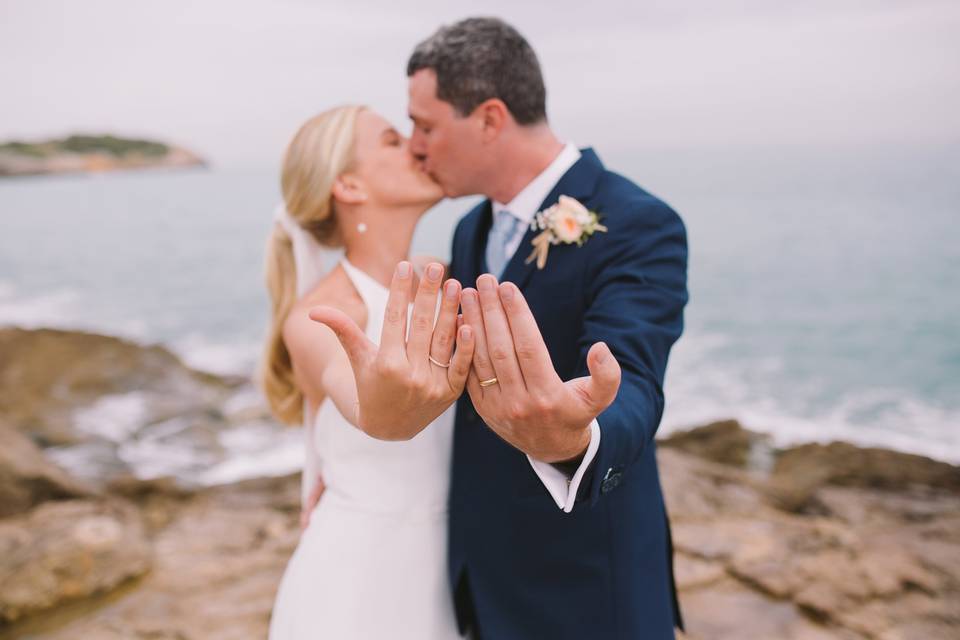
<point>90,154</point>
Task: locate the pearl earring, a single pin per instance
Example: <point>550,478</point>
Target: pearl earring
<point>362,227</point>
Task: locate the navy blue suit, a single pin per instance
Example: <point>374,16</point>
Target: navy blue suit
<point>520,567</point>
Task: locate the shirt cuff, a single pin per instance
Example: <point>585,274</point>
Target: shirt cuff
<point>562,489</point>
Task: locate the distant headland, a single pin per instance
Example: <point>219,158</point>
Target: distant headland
<point>90,154</point>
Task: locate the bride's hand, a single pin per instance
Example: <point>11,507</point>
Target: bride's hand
<point>311,502</point>
<point>404,384</point>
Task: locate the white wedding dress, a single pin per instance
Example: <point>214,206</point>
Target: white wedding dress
<point>372,562</point>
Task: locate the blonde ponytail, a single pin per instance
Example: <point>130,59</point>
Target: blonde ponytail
<point>320,151</point>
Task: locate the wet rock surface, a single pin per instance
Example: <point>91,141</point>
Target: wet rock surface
<point>820,541</point>
<point>66,550</point>
<point>28,478</point>
<point>53,382</point>
<point>878,556</point>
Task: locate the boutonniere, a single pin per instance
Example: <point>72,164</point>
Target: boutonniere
<point>566,222</point>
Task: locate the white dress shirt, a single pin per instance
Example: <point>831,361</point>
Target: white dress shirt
<point>524,207</point>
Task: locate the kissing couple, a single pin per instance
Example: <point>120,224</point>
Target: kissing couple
<point>480,456</point>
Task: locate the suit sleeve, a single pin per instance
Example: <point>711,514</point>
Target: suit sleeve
<point>636,285</point>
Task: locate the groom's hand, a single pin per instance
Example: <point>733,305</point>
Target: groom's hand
<point>399,389</point>
<point>529,406</point>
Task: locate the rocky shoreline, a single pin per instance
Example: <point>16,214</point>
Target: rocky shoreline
<point>819,541</point>
<point>91,154</point>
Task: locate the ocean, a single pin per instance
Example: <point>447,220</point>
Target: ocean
<point>825,286</point>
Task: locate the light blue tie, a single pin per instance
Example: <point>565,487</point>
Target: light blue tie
<point>504,226</point>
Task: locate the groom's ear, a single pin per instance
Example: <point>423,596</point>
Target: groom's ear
<point>348,189</point>
<point>493,115</point>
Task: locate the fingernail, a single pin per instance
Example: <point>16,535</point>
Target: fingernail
<point>403,269</point>
<point>485,283</point>
<point>451,290</point>
<point>434,271</point>
<point>602,355</point>
<point>466,332</point>
<point>468,297</point>
<point>506,292</point>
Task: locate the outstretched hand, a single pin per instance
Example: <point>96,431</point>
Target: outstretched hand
<point>409,380</point>
<point>528,405</point>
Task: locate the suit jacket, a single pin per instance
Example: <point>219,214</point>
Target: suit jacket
<point>520,567</point>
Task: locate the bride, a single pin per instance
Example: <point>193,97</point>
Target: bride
<point>371,561</point>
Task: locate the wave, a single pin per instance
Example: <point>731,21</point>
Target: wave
<point>62,309</point>
<point>704,383</point>
<point>236,357</point>
<point>703,387</point>
<point>65,309</point>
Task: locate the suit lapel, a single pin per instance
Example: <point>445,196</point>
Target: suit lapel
<point>475,233</point>
<point>578,182</point>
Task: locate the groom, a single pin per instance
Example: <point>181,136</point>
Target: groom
<point>557,521</point>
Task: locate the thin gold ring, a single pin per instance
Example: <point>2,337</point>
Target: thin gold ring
<point>439,364</point>
<point>487,383</point>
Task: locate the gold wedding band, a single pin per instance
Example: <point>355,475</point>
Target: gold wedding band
<point>439,364</point>
<point>487,383</point>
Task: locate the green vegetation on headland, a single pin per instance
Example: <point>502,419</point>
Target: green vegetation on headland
<point>112,145</point>
<point>89,153</point>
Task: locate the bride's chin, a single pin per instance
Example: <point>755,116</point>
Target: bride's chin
<point>431,202</point>
<point>435,194</point>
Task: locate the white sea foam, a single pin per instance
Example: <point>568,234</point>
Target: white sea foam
<point>257,450</point>
<point>163,450</point>
<point>702,388</point>
<point>223,358</point>
<point>247,398</point>
<point>90,461</point>
<point>114,417</point>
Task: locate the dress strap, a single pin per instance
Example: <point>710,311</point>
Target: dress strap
<point>373,293</point>
<point>374,296</point>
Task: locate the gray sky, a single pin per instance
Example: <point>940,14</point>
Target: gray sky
<point>232,79</point>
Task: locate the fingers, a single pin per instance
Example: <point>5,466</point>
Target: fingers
<point>460,363</point>
<point>599,389</point>
<point>473,318</point>
<point>499,340</point>
<point>531,351</point>
<point>446,329</point>
<point>354,341</point>
<point>393,337</point>
<point>474,389</point>
<point>424,312</point>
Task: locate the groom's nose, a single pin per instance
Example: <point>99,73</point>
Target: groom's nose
<point>419,158</point>
<point>417,146</point>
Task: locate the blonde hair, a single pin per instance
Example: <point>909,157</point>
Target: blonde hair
<point>321,150</point>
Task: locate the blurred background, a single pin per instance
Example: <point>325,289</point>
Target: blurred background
<point>812,149</point>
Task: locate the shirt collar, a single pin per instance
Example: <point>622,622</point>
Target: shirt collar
<point>524,204</point>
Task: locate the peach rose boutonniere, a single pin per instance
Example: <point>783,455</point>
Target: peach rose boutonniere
<point>566,222</point>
